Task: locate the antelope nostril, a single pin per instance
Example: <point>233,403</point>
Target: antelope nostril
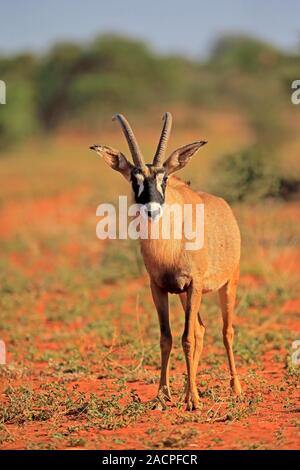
<point>153,213</point>
<point>152,210</point>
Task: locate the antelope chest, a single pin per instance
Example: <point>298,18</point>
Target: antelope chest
<point>171,275</point>
<point>174,282</point>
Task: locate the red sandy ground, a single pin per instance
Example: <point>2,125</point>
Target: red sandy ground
<point>272,425</point>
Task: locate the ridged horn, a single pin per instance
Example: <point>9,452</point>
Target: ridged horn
<point>131,140</point>
<point>163,141</point>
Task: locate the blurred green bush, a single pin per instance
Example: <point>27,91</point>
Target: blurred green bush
<point>80,82</point>
<point>78,85</point>
<point>252,174</point>
<point>248,175</point>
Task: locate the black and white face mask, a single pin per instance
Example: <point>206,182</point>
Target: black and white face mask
<point>149,190</point>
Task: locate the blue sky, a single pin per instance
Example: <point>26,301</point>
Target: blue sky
<point>185,26</point>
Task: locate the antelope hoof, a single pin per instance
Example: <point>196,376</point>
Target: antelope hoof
<point>193,405</point>
<point>164,393</point>
<point>158,405</point>
<point>192,402</point>
<point>163,396</point>
<point>236,387</point>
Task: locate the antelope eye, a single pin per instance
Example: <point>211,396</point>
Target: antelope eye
<point>165,179</point>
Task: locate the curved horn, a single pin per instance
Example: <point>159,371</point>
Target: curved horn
<point>131,140</point>
<point>163,141</point>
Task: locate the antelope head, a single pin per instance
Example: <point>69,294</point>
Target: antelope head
<point>148,181</point>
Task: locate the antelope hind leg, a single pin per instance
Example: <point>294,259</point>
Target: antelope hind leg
<point>199,336</point>
<point>227,295</point>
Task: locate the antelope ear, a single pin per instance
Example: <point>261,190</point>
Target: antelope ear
<point>181,156</point>
<point>115,159</point>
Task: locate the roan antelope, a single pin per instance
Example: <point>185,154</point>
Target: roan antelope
<point>172,268</point>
